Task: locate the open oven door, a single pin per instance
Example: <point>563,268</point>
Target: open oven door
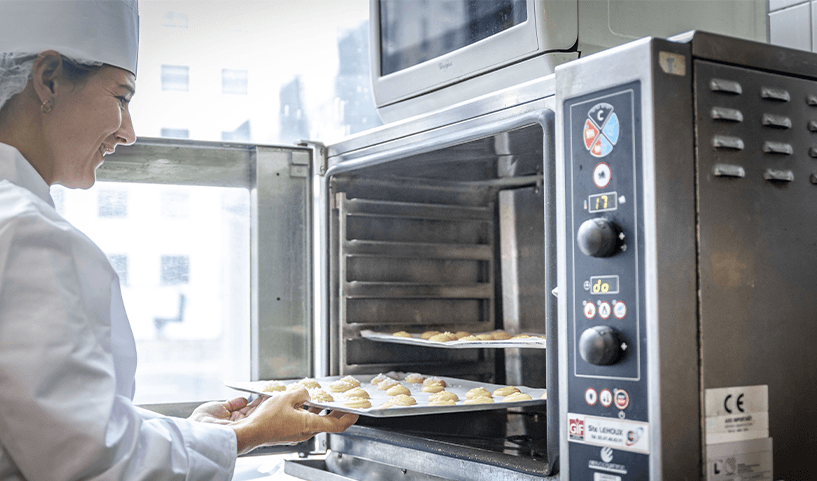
<point>270,330</point>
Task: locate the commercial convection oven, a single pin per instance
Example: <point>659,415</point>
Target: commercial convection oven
<point>649,211</point>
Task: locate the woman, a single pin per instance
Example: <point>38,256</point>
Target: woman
<point>67,354</point>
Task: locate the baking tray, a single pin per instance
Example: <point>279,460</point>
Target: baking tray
<point>538,342</point>
<point>378,397</point>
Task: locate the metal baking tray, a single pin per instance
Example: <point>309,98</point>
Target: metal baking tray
<point>537,342</point>
<point>378,397</point>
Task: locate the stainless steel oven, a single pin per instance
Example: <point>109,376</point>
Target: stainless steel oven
<point>649,209</point>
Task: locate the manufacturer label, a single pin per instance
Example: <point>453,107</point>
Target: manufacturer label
<point>615,433</point>
<point>737,414</point>
<point>740,461</point>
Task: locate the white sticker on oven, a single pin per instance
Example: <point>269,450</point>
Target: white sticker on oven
<point>740,461</point>
<point>737,414</point>
<point>615,433</point>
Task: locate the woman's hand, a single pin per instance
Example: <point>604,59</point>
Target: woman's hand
<point>224,412</point>
<point>283,420</point>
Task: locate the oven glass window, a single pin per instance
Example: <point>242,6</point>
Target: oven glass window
<point>415,31</point>
<point>183,257</point>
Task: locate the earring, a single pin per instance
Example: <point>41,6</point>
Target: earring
<point>47,106</point>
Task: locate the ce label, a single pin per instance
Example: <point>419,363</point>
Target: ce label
<point>738,403</point>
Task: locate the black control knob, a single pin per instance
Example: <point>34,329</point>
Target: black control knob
<point>600,345</point>
<point>598,238</point>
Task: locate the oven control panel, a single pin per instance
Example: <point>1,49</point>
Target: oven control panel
<point>607,425</point>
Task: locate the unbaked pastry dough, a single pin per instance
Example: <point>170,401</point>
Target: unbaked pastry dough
<point>401,334</point>
<point>517,397</point>
<point>442,402</point>
<point>398,389</point>
<point>500,335</point>
<point>478,392</point>
<point>273,386</point>
<point>443,396</point>
<point>387,383</point>
<point>309,383</point>
<point>320,396</point>
<point>444,337</point>
<point>356,393</point>
<point>358,403</point>
<point>506,391</point>
<point>428,334</point>
<point>354,382</point>
<point>399,400</point>
<point>340,386</point>
<point>415,378</point>
<point>479,400</point>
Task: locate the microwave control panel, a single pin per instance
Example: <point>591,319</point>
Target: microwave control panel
<point>608,428</point>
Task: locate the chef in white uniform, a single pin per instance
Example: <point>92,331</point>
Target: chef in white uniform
<point>67,353</point>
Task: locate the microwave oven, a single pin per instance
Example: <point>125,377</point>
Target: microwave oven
<point>429,54</point>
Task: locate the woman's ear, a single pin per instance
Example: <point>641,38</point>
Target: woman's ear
<point>46,75</point>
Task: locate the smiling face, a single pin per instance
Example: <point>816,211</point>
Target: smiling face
<point>87,122</point>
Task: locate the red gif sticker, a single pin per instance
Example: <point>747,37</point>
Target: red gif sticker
<point>575,429</point>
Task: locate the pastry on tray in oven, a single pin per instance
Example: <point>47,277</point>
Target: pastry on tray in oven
<point>500,335</point>
<point>320,396</point>
<point>478,392</point>
<point>506,391</point>
<point>309,383</point>
<point>444,337</point>
<point>386,384</point>
<point>356,393</point>
<point>398,389</point>
<point>399,400</point>
<point>433,384</point>
<point>273,386</point>
<point>401,334</point>
<point>469,338</point>
<point>479,400</point>
<point>414,378</point>
<point>380,377</point>
<point>517,397</point>
<point>358,403</point>
<point>521,336</point>
<point>340,386</point>
<point>461,334</point>
<point>442,402</point>
<point>443,396</point>
<point>485,337</point>
<point>428,334</point>
<point>351,380</point>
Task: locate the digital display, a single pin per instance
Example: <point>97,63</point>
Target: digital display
<point>415,31</point>
<point>602,202</point>
<point>604,285</point>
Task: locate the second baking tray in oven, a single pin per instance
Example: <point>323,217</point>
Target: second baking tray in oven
<point>377,397</point>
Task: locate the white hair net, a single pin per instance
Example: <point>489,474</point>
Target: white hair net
<point>16,69</point>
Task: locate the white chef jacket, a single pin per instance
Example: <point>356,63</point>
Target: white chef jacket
<point>68,359</point>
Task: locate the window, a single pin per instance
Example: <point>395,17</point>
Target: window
<point>175,270</point>
<point>175,77</point>
<point>233,81</point>
<point>112,203</point>
<point>175,133</point>
<point>120,265</point>
<point>175,204</point>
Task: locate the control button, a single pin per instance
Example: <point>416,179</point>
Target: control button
<point>605,310</point>
<point>606,398</point>
<point>728,170</point>
<point>781,148</point>
<point>727,142</point>
<point>620,310</point>
<point>600,345</point>
<point>602,175</point>
<point>811,100</point>
<point>774,175</point>
<point>590,310</point>
<point>726,114</point>
<point>725,86</point>
<point>813,178</point>
<point>812,125</point>
<point>590,396</point>
<point>776,94</point>
<point>812,152</point>
<point>598,238</point>
<point>777,121</point>
<point>622,399</point>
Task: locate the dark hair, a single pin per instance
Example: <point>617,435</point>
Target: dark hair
<point>77,72</point>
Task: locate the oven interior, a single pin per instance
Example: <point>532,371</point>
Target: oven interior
<point>456,238</point>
